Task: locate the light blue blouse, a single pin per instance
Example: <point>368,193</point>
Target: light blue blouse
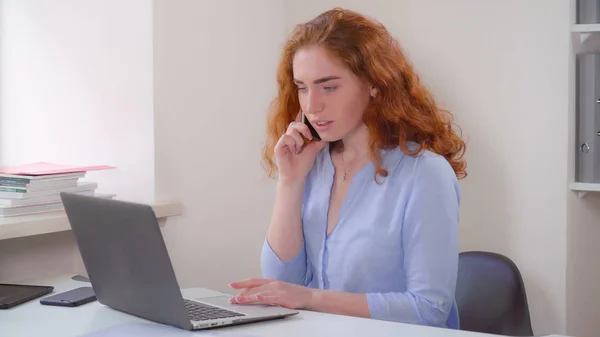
<point>396,242</point>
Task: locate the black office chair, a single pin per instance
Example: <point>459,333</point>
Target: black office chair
<point>490,295</point>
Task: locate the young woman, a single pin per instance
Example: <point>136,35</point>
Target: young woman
<point>365,220</point>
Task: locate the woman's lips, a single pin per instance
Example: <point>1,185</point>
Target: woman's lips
<point>321,125</point>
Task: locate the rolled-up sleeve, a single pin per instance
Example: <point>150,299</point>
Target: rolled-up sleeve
<point>430,247</point>
<point>291,271</point>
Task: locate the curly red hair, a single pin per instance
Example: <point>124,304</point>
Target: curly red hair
<point>403,109</point>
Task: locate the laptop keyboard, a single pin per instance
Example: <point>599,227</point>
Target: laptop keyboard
<point>204,312</point>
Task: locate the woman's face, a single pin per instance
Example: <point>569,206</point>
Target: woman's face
<point>332,97</point>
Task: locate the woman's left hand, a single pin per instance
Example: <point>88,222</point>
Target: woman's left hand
<point>272,292</point>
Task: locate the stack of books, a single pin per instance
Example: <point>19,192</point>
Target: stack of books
<point>35,188</point>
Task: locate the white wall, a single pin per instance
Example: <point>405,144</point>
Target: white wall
<point>214,76</point>
<point>75,88</point>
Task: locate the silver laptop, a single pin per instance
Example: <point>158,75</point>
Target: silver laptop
<point>130,270</point>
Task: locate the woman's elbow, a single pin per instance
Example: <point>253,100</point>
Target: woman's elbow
<point>434,313</point>
<point>410,308</point>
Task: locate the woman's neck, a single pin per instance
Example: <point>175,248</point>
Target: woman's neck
<point>355,144</point>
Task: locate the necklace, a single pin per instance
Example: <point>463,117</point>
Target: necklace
<point>344,165</point>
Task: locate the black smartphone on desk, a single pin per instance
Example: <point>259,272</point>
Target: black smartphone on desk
<point>71,298</point>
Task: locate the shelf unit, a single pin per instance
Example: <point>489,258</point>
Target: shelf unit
<point>583,188</point>
<point>52,222</point>
<point>585,30</point>
<point>581,33</point>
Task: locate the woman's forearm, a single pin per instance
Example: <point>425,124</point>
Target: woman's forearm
<point>285,231</point>
<point>339,303</point>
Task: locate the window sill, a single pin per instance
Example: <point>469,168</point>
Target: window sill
<point>52,222</point>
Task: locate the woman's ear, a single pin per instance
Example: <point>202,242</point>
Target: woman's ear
<point>373,92</point>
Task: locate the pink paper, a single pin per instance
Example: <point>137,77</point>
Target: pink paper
<point>44,168</point>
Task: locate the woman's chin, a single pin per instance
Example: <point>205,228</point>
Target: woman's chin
<point>328,137</point>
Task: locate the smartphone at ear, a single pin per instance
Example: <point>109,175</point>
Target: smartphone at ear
<point>313,132</point>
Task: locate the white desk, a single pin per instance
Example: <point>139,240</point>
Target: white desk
<point>35,320</point>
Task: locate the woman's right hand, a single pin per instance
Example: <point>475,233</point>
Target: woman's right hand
<point>294,157</point>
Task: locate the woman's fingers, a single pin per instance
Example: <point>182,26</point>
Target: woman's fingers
<point>287,142</point>
<point>294,138</point>
<point>270,300</point>
<point>250,292</point>
<point>255,297</point>
<point>295,135</point>
<point>254,288</point>
<point>247,296</point>
<point>301,129</point>
<point>250,283</point>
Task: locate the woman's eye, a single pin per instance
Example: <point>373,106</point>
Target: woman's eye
<point>329,88</point>
<point>302,89</point>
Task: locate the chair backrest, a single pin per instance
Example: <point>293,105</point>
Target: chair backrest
<point>490,295</point>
